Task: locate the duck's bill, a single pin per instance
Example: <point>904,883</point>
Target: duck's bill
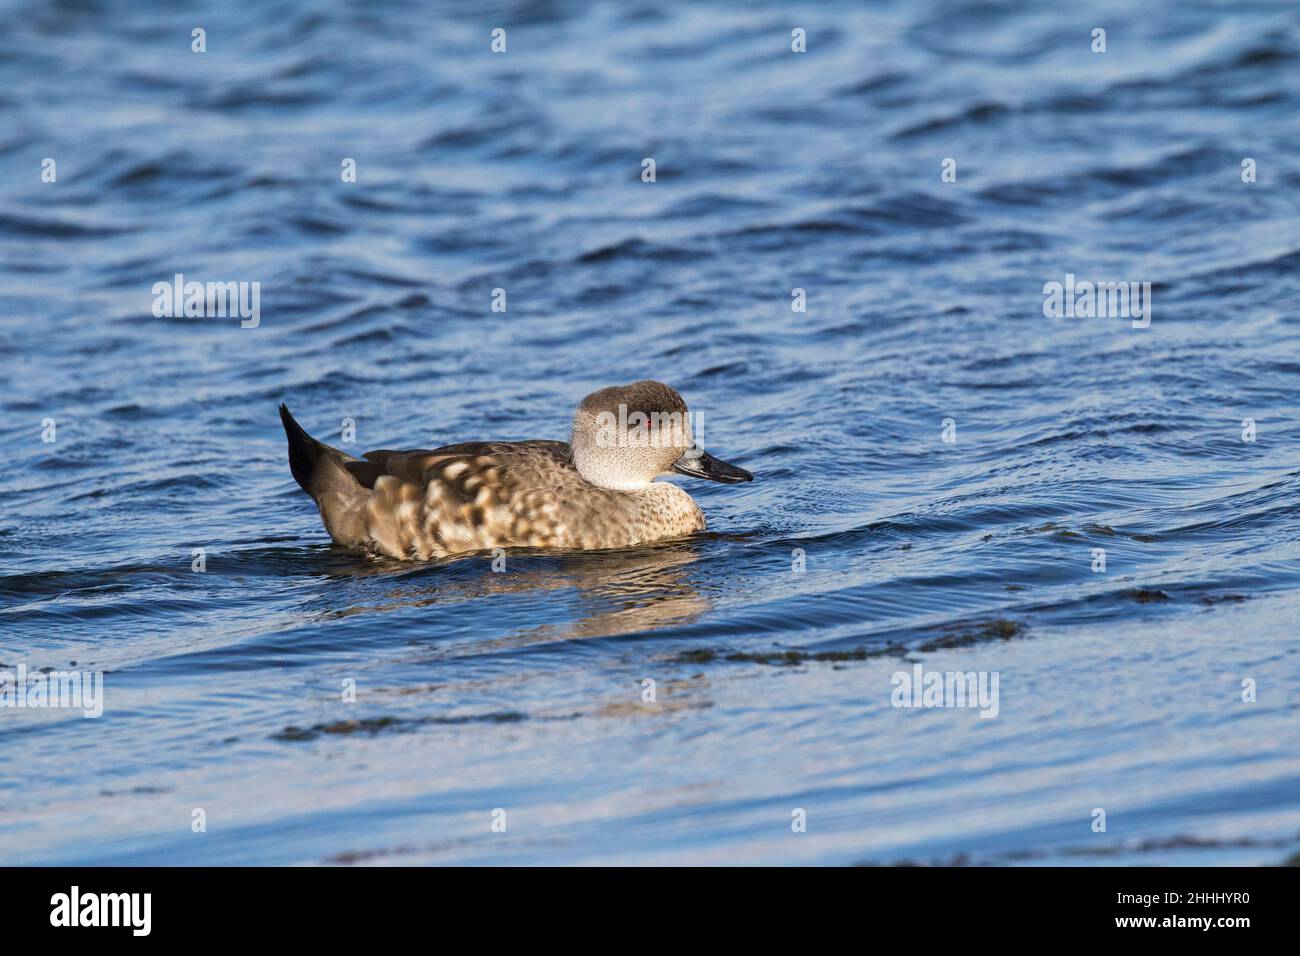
<point>704,465</point>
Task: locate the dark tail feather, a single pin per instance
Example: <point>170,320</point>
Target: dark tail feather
<point>303,450</point>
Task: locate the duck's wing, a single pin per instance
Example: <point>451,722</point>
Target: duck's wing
<point>464,497</point>
<point>420,465</point>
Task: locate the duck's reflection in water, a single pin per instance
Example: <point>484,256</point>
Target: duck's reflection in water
<point>618,592</point>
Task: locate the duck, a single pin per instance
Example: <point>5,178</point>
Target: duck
<point>600,490</point>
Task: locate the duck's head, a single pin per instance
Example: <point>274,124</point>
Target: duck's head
<point>626,436</point>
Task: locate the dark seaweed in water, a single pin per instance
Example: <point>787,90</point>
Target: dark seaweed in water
<point>323,708</point>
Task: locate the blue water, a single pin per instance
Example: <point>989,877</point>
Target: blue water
<point>1120,690</point>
